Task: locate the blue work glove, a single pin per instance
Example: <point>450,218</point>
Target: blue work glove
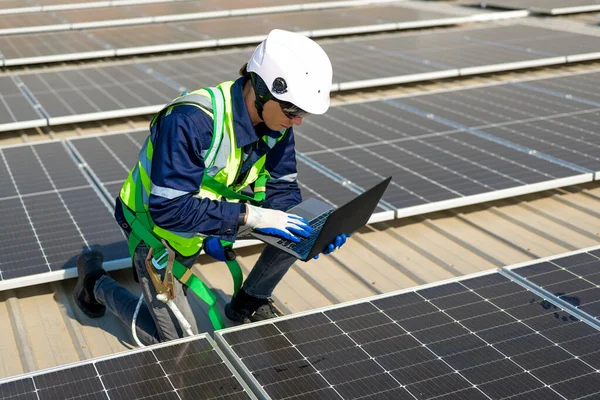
<point>337,243</point>
<point>213,247</point>
<point>277,223</point>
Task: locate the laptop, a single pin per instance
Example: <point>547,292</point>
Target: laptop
<point>328,222</point>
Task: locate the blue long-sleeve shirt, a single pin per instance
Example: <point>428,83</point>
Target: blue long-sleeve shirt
<point>178,169</point>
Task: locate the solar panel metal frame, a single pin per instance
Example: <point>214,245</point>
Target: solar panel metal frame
<point>128,112</point>
<point>53,276</point>
<point>236,12</point>
<point>126,353</point>
<point>509,272</point>
<point>58,57</point>
<point>492,196</point>
<point>255,385</point>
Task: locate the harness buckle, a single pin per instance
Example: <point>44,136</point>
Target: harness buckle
<point>161,260</point>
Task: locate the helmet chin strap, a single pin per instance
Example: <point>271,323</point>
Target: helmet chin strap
<point>259,108</point>
<point>258,102</point>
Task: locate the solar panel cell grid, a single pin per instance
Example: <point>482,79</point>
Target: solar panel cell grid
<point>412,346</point>
<point>14,106</point>
<point>97,90</point>
<point>195,72</point>
<point>137,36</point>
<point>181,371</point>
<point>100,14</point>
<point>54,213</point>
<point>573,87</point>
<point>96,153</point>
<point>26,20</point>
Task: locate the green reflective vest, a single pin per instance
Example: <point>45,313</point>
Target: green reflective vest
<point>222,161</point>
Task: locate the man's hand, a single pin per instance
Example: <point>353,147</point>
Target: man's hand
<point>214,248</point>
<point>277,223</point>
<point>337,243</point>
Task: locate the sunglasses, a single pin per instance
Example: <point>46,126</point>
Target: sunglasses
<point>291,111</point>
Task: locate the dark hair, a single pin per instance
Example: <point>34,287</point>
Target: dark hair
<point>244,71</point>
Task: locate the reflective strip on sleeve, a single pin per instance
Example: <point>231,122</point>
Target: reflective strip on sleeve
<point>285,178</point>
<point>167,193</point>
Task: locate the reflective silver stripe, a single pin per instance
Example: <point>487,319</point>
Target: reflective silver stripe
<point>219,118</point>
<point>285,178</point>
<point>167,193</point>
<point>221,157</point>
<point>271,142</point>
<point>193,98</point>
<point>143,158</point>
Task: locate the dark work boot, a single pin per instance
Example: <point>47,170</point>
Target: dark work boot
<point>89,270</point>
<point>266,311</point>
<point>244,308</point>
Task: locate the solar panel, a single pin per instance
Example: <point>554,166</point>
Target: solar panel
<point>51,47</point>
<point>574,279</point>
<point>51,213</point>
<point>17,6</point>
<point>96,93</point>
<point>555,119</point>
<point>552,7</point>
<point>29,23</point>
<point>186,369</point>
<point>480,337</point>
<point>16,109</point>
<point>223,32</point>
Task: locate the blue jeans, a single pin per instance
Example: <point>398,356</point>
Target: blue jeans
<point>155,322</point>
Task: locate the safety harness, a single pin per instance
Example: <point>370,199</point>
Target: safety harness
<point>142,224</point>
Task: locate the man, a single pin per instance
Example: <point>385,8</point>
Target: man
<point>204,149</point>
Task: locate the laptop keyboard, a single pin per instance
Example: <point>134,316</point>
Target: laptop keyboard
<point>305,245</point>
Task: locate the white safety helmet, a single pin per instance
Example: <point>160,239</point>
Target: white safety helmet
<point>295,69</point>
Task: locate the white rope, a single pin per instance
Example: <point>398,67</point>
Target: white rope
<point>185,325</point>
<point>135,315</point>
